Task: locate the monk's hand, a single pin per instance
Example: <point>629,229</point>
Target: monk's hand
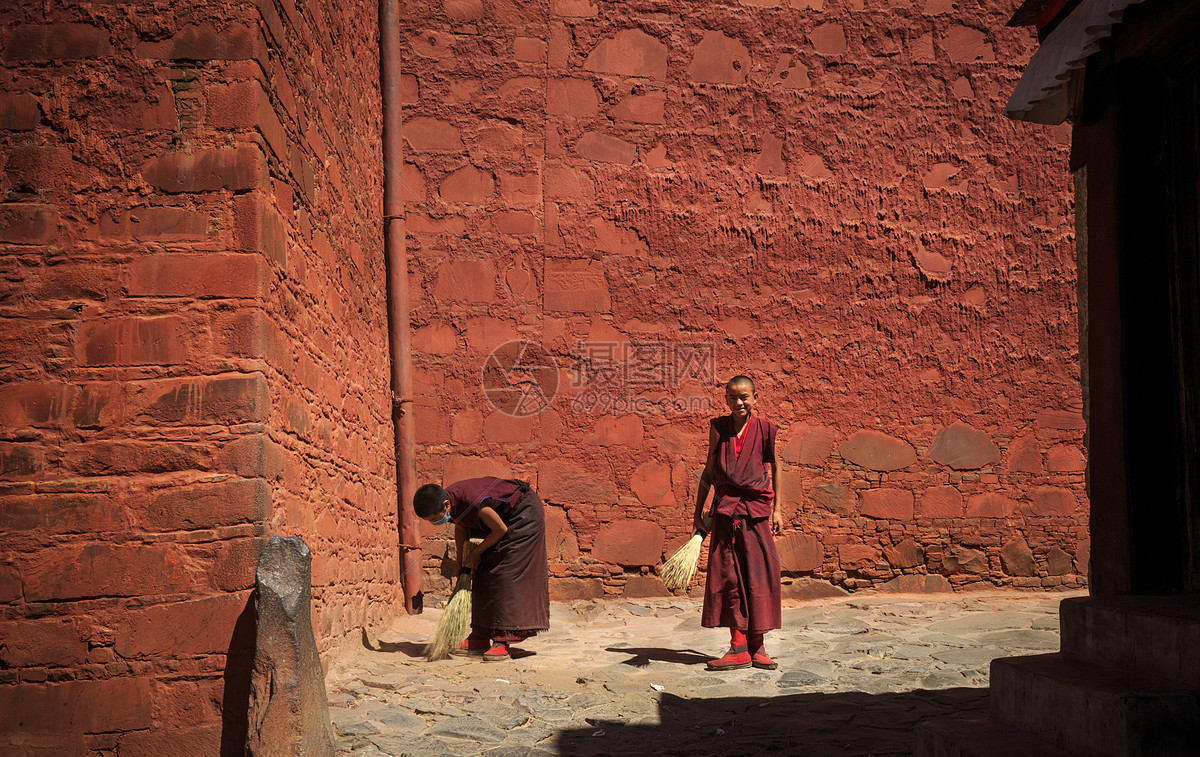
<point>473,559</point>
<point>776,523</point>
<point>698,524</point>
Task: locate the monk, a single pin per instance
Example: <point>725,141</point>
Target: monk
<point>742,590</point>
<point>510,587</point>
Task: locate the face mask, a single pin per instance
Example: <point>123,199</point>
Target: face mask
<point>445,519</point>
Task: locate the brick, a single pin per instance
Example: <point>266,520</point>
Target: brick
<point>630,52</point>
<point>878,451</point>
<point>990,505</point>
<point>232,168</point>
<point>651,482</point>
<point>59,41</point>
<point>629,542</point>
<point>61,513</point>
<point>567,483</point>
<point>467,185</point>
<point>466,280</point>
<point>719,59</point>
<point>906,554</point>
<point>940,502</point>
<point>963,448</point>
<point>35,403</point>
<point>50,641</point>
<point>19,111</point>
<point>105,570</point>
<point>857,557</point>
<point>225,399</point>
<point>206,505</point>
<point>431,135</point>
<point>197,275</point>
<point>180,703</point>
<point>892,504</point>
<point>206,42</point>
<point>115,704</point>
<point>1017,558</point>
<point>1050,501</point>
<point>572,97</point>
<point>132,341</point>
<point>200,626</point>
<point>799,552</point>
<point>158,224</point>
<point>575,287</point>
<point>258,227</point>
<point>27,223</point>
<point>605,148</point>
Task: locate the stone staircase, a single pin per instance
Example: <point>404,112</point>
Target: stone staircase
<point>1126,682</point>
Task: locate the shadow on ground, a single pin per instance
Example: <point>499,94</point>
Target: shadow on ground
<point>813,725</point>
<point>643,656</point>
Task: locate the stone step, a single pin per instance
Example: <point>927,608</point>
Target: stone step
<point>1094,709</point>
<point>1156,637</point>
<point>976,736</point>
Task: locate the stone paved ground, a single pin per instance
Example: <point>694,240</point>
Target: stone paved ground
<point>627,678</point>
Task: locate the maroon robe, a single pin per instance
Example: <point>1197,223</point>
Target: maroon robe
<point>742,588</point>
<point>510,591</point>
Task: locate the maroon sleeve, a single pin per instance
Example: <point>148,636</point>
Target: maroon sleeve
<point>769,442</point>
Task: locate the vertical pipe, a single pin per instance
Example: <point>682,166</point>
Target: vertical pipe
<point>397,293</point>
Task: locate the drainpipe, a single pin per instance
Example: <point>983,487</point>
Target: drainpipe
<point>397,295</point>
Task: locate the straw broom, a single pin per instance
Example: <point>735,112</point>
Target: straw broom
<point>455,622</point>
<point>679,568</point>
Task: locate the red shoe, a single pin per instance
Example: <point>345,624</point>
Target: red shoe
<point>469,647</point>
<point>498,653</point>
<point>760,660</point>
<point>735,659</point>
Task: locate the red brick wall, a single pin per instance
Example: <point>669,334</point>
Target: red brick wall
<point>825,194</point>
<point>195,356</point>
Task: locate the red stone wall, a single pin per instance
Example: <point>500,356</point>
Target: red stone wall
<point>822,194</point>
<point>195,357</point>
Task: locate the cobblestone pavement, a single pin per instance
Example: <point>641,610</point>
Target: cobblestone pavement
<point>627,678</point>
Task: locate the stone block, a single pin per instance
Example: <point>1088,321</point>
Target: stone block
<point>288,710</point>
<point>574,8</point>
<point>940,502</point>
<point>567,483</point>
<point>181,629</point>
<point>467,185</point>
<point>437,338</point>
<point>857,556</point>
<point>835,498</point>
<point>44,170</point>
<point>569,589</point>
<point>66,513</point>
<point>964,560</point>
<point>10,584</point>
<point>157,224</point>
<point>206,42</point>
<point>258,227</point>
<point>465,281</point>
<point>502,428</point>
<point>196,275</point>
<point>808,445</point>
<point>232,168</point>
<point>516,222</point>
<point>45,641</point>
<point>649,108</point>
<point>59,41</point>
<point>245,105</point>
<point>234,564</point>
<point>1065,458</point>
<point>229,398</point>
<point>104,706</point>
<point>105,570</point>
<point>466,426</point>
<point>563,183</point>
<point>651,482</point>
<point>1061,420</point>
<point>917,584</point>
<point>169,742</point>
<point>612,430</point>
<point>906,554</point>
<point>132,340</point>
<point>892,504</point>
<point>19,111</point>
<point>460,467</point>
<point>561,544</point>
<point>990,505</point>
<point>878,451</point>
<point>529,49</point>
<point>719,59</point>
<point>799,552</point>
<point>21,460</point>
<point>1025,455</point>
<point>605,148</point>
<point>1017,558</point>
<point>207,505</point>
<point>629,543</point>
<point>828,39</point>
<point>484,335</point>
<point>28,223</point>
<point>425,134</point>
<point>811,588</point>
<point>630,52</point>
<point>35,403</point>
<point>963,448</point>
<point>1050,501</point>
<point>1058,562</point>
<point>572,97</point>
<point>638,587</point>
<point>966,45</point>
<point>575,287</point>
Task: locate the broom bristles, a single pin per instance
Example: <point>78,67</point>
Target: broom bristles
<point>454,623</point>
<point>679,568</point>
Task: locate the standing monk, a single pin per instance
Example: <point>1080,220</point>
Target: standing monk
<point>742,588</point>
<point>510,587</point>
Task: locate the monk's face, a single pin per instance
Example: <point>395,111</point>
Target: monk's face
<point>740,398</point>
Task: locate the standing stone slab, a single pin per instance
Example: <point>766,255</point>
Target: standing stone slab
<point>288,711</point>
